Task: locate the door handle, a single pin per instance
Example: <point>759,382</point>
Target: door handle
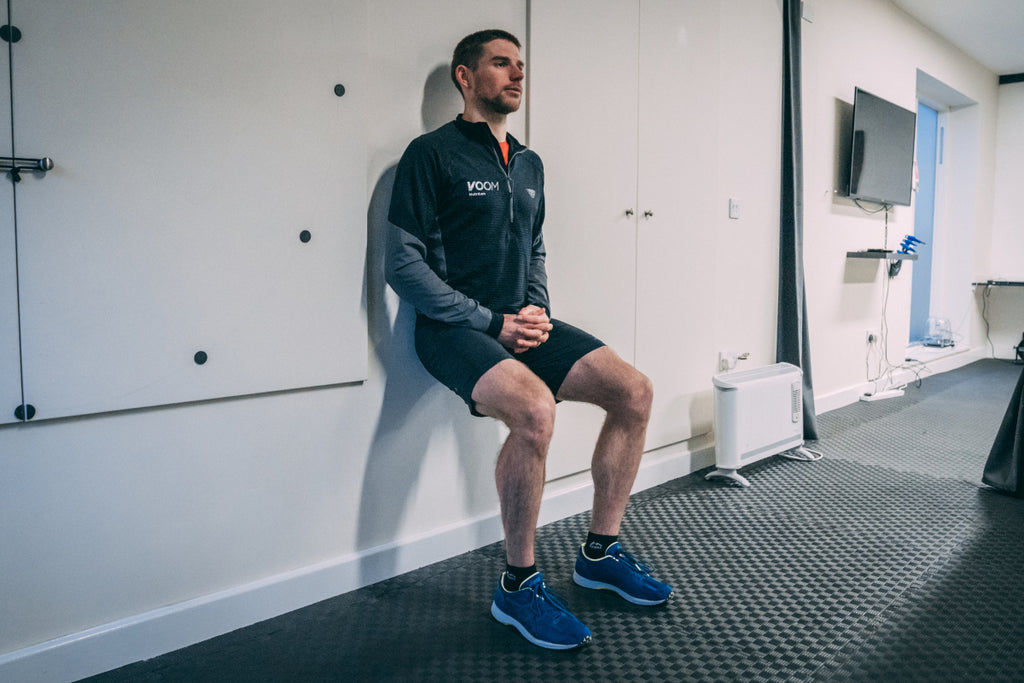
<point>15,165</point>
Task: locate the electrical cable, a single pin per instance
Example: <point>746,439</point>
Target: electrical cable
<point>883,207</point>
<point>984,317</point>
<point>884,333</point>
<point>802,453</point>
<point>886,369</point>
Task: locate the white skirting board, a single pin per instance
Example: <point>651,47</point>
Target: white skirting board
<point>150,634</point>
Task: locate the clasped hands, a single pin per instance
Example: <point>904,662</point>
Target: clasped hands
<point>525,330</point>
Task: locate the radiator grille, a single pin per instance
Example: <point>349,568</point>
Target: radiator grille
<point>796,400</point>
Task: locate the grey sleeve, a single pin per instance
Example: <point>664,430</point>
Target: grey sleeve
<point>407,272</point>
<point>413,231</point>
<point>537,286</point>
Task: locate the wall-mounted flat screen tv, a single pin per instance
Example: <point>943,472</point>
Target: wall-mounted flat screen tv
<point>882,154</point>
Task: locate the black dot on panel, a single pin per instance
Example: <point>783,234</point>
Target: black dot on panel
<point>25,412</point>
<point>305,236</point>
<point>10,34</point>
<point>200,357</point>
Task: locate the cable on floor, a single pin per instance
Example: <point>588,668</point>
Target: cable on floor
<point>803,454</point>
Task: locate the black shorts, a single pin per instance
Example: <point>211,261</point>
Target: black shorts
<point>459,356</point>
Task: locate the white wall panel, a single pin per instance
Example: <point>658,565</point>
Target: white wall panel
<point>581,76</point>
<point>194,142</point>
<point>678,187</point>
<point>629,135</point>
<point>583,120</point>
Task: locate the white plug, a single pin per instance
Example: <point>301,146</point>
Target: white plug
<point>727,359</point>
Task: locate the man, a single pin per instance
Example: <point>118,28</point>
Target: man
<point>466,249</point>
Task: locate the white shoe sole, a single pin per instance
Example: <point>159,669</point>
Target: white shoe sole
<point>507,620</point>
<point>600,585</point>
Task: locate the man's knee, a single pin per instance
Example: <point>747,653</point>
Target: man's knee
<point>535,420</point>
<point>637,395</point>
<point>511,393</point>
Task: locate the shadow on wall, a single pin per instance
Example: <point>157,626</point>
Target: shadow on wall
<point>415,406</point>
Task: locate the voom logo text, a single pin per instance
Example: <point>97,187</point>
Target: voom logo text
<point>478,188</point>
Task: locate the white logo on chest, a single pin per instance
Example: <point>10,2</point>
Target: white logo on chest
<point>479,188</point>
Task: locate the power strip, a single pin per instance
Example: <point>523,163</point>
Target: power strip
<point>891,393</point>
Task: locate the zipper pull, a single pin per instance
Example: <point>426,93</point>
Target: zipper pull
<point>511,201</point>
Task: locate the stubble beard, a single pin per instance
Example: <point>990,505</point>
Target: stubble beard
<point>500,105</point>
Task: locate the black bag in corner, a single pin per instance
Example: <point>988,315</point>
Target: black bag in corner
<point>1004,469</point>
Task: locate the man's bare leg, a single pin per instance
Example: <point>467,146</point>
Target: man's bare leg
<point>604,379</point>
<point>511,393</point>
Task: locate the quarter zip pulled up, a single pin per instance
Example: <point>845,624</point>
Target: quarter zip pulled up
<point>507,170</point>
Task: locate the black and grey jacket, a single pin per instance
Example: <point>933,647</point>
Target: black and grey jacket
<point>465,243</point>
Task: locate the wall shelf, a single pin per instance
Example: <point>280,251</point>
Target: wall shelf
<point>888,255</point>
<point>999,283</point>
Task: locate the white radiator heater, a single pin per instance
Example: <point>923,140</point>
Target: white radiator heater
<point>758,413</point>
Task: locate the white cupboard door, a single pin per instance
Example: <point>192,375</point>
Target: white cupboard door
<point>203,233</point>
<point>581,76</point>
<point>10,354</point>
<point>676,200</point>
<point>583,99</point>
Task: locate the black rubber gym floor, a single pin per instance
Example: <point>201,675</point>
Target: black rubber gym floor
<point>887,560</point>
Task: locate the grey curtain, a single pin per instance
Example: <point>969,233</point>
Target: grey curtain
<point>792,343</point>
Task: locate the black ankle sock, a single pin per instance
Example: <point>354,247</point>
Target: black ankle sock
<point>513,577</point>
<point>597,544</point>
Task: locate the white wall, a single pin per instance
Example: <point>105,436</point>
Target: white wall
<point>749,158</point>
<point>1005,305</point>
<point>1007,223</point>
<point>873,45</point>
<point>109,517</point>
<point>111,524</point>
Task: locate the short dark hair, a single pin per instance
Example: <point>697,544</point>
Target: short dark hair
<point>471,48</point>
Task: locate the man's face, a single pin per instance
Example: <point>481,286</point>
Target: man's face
<point>497,81</point>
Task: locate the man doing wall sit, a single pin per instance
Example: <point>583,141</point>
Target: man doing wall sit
<point>466,250</point>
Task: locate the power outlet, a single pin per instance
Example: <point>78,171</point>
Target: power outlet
<point>728,358</point>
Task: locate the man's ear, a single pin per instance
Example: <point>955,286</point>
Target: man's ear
<point>462,75</point>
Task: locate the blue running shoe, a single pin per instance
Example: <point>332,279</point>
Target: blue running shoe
<point>539,616</point>
<point>621,572</point>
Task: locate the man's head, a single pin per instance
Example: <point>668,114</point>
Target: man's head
<point>471,48</point>
<point>488,71</point>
